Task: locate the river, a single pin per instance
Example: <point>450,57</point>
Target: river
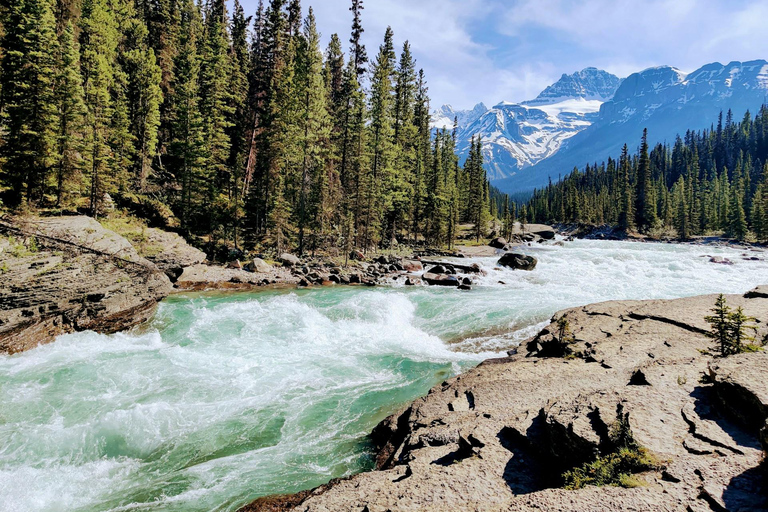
<point>223,398</point>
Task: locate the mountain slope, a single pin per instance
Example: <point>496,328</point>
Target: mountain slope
<point>663,99</point>
<point>516,136</point>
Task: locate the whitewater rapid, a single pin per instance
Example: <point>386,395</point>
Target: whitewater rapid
<point>226,397</point>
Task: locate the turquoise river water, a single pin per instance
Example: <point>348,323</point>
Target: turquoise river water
<point>223,398</point>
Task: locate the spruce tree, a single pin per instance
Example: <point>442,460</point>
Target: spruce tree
<point>381,140</point>
<point>143,97</point>
<point>646,200</point>
<point>737,220</point>
<point>98,46</point>
<point>186,152</point>
<point>72,111</point>
<point>313,211</point>
<point>216,109</point>
<point>28,100</point>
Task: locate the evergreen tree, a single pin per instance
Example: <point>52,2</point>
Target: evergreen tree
<point>313,211</point>
<point>143,97</point>
<point>646,200</point>
<point>381,140</point>
<point>28,100</point>
<point>187,157</point>
<point>98,44</point>
<point>216,109</point>
<point>737,220</point>
<point>72,111</point>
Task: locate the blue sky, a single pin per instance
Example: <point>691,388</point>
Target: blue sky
<point>494,50</point>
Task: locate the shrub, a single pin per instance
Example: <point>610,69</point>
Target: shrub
<point>730,329</point>
<point>616,468</point>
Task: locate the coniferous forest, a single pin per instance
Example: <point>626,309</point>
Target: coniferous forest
<point>233,128</point>
<point>709,182</point>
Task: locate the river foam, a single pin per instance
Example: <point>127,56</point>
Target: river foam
<point>224,398</point>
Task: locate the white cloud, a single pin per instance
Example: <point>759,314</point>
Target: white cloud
<point>493,50</point>
<point>626,35</point>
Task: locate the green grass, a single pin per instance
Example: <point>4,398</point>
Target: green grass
<point>615,469</point>
<point>618,467</point>
<point>22,249</point>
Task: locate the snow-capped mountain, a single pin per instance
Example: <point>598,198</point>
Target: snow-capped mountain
<point>664,100</point>
<point>445,116</point>
<point>588,84</point>
<point>517,136</point>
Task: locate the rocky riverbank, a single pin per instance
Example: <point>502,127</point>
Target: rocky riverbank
<point>500,436</point>
<point>68,274</point>
<point>61,275</point>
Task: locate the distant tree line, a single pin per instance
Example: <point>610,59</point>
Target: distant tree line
<point>232,127</point>
<point>708,182</point>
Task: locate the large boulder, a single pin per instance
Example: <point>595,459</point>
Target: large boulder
<point>545,232</point>
<point>518,261</point>
<point>169,251</point>
<point>498,243</point>
<point>289,260</point>
<point>441,279</point>
<point>412,266</point>
<point>259,266</point>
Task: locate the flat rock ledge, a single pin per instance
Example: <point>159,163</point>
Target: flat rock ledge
<point>65,274</point>
<point>499,436</point>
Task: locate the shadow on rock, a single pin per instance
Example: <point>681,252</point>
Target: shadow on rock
<point>748,491</point>
<point>523,473</point>
<point>706,406</point>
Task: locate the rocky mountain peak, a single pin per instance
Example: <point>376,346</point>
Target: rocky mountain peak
<point>589,84</point>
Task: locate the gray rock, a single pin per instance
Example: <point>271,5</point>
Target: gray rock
<point>492,438</point>
<point>80,276</point>
<point>518,261</point>
<point>742,388</point>
<point>498,243</point>
<point>440,279</point>
<point>259,266</point>
<point>720,260</point>
<point>169,251</point>
<point>289,260</point>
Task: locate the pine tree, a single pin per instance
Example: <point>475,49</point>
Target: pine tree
<point>216,109</point>
<point>737,220</point>
<point>143,97</point>
<point>381,140</point>
<point>646,199</point>
<point>98,44</point>
<point>27,99</point>
<point>627,215</point>
<point>187,158</point>
<point>315,136</point>
<point>719,321</point>
<point>681,217</point>
<point>72,111</point>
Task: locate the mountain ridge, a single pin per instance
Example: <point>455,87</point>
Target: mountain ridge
<point>527,143</point>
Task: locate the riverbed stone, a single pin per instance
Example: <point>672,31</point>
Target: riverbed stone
<point>518,261</point>
<point>259,266</point>
<point>440,279</point>
<point>289,260</point>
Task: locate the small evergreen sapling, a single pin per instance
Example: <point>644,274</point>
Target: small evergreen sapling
<point>740,325</point>
<point>720,331</point>
<point>730,329</point>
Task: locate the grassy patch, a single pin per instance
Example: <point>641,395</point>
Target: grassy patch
<point>22,249</point>
<point>134,230</point>
<point>618,467</point>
